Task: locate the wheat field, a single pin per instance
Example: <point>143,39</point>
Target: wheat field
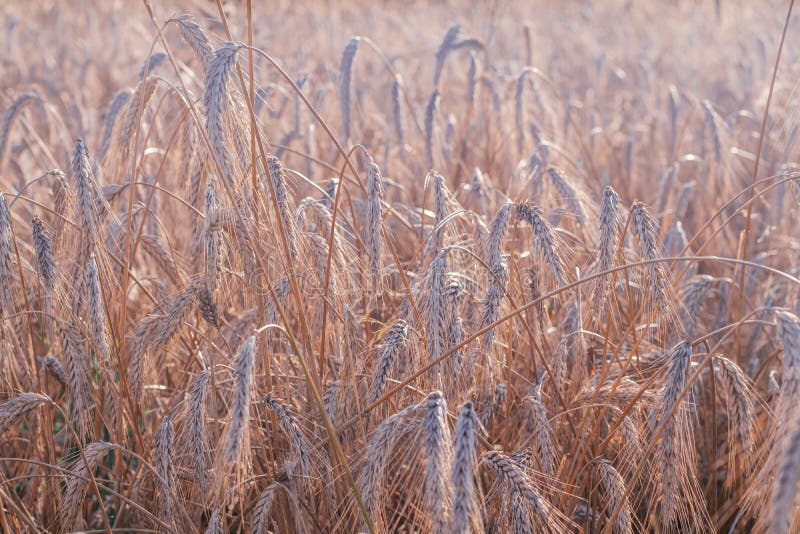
<point>425,267</point>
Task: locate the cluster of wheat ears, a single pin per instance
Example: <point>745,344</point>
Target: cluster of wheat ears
<point>257,275</point>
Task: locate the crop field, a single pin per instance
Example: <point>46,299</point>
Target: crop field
<point>417,267</point>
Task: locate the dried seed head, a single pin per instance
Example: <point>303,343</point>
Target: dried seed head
<point>54,367</point>
<point>262,509</point>
<point>193,34</point>
<point>119,101</point>
<point>782,516</point>
<point>300,444</point>
<point>215,99</point>
<point>712,120</point>
<point>374,217</point>
<point>390,347</point>
<point>435,240</point>
<point>472,77</point>
<point>497,234</point>
<point>278,179</point>
<point>163,451</point>
<point>82,174</point>
<point>447,45</point>
<point>519,109</point>
<point>15,407</point>
<point>544,240</point>
<point>214,524</point>
<point>539,433</point>
<point>519,484</point>
<point>152,62</point>
<point>609,233</point>
<point>568,193</point>
<point>194,439</point>
<point>379,449</point>
<point>240,407</point>
<point>96,308</point>
<point>78,483</point>
<point>462,475</point>
<point>436,449</point>
<point>740,404</point>
<point>77,366</point>
<point>397,112</point>
<point>11,113</point>
<point>498,279</point>
<point>674,454</point>
<point>430,124</point>
<point>431,303</point>
<point>644,226</point>
<point>133,117</point>
<point>208,308</point>
<point>44,255</point>
<point>788,332</point>
<point>615,495</point>
<point>345,85</point>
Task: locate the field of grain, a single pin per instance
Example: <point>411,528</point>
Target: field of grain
<point>426,267</point>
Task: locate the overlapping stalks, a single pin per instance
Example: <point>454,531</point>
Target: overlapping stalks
<point>491,276</point>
